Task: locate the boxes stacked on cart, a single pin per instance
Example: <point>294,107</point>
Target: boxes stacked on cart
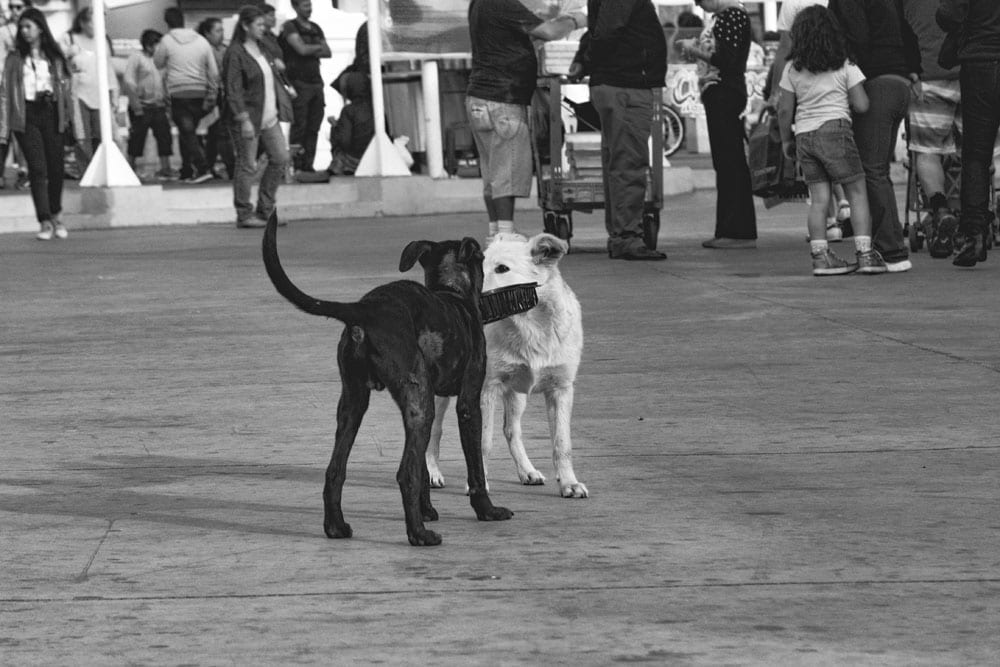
<point>555,57</point>
<point>583,153</point>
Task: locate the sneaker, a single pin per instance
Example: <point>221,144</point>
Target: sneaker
<point>844,212</point>
<point>200,177</point>
<point>898,266</point>
<point>871,263</point>
<point>60,230</point>
<point>971,248</point>
<point>167,174</point>
<point>721,243</point>
<point>47,231</point>
<point>942,244</point>
<point>834,232</point>
<point>827,263</point>
<point>251,223</point>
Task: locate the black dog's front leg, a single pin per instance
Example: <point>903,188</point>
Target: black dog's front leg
<point>470,428</point>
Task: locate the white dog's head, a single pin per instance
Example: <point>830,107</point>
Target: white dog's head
<point>512,259</point>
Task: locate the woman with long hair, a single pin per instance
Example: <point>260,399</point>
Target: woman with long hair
<point>255,103</point>
<point>80,48</point>
<point>35,106</point>
<point>217,142</point>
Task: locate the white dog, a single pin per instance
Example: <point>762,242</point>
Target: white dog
<point>535,351</point>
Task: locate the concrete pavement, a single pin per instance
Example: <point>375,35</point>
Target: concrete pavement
<point>783,469</point>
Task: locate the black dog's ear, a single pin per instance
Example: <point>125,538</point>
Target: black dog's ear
<point>469,249</point>
<point>548,248</point>
<point>412,252</point>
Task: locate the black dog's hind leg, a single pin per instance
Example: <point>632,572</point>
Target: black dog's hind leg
<point>470,429</point>
<point>416,401</point>
<point>351,408</point>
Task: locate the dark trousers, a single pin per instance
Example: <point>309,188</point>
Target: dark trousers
<point>626,121</point>
<point>187,112</point>
<point>308,108</point>
<point>980,83</point>
<point>875,134</point>
<point>735,217</point>
<point>219,146</point>
<point>42,143</point>
<point>151,118</point>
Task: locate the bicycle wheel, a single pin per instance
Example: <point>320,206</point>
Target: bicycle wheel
<point>673,131</point>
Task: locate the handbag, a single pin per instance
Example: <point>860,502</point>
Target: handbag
<point>771,173</point>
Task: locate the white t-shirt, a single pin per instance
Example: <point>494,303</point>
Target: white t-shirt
<point>269,117</point>
<point>820,97</point>
<point>790,9</point>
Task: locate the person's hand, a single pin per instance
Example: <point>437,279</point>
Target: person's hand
<point>247,130</point>
<point>917,90</point>
<point>208,104</point>
<point>575,71</point>
<point>788,148</point>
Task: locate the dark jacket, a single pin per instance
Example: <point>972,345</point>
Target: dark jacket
<point>878,36</point>
<point>243,82</point>
<point>979,24</point>
<point>624,45</point>
<point>13,106</point>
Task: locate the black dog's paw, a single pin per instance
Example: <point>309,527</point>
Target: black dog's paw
<point>424,538</point>
<point>495,514</point>
<point>429,513</point>
<point>336,528</point>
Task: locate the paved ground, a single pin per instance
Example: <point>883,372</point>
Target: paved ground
<point>783,469</point>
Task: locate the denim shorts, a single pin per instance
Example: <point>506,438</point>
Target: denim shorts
<point>500,131</point>
<point>829,154</point>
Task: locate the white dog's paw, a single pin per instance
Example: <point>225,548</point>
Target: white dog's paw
<point>531,477</point>
<point>437,479</point>
<point>574,490</point>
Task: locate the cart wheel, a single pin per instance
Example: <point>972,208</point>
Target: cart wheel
<point>549,222</point>
<point>673,131</point>
<point>651,228</point>
<point>911,233</point>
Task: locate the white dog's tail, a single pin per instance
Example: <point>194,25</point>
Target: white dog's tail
<point>345,312</point>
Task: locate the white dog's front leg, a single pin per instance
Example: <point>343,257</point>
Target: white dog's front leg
<point>559,405</point>
<point>514,404</point>
<point>434,446</point>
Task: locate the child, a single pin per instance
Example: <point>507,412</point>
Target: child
<point>354,130</point>
<point>819,89</point>
<point>147,105</point>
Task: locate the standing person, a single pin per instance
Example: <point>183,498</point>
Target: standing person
<point>8,36</point>
<point>886,50</point>
<point>303,45</point>
<point>979,54</point>
<point>502,81</point>
<point>35,105</point>
<point>217,141</point>
<point>624,51</point>
<point>147,106</point>
<point>819,89</point>
<point>81,54</point>
<point>255,103</point>
<point>192,78</point>
<point>270,40</point>
<point>722,51</point>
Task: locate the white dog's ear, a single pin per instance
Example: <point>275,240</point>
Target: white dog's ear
<point>546,248</point>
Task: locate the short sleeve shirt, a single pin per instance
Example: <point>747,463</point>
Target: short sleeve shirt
<point>504,65</point>
<point>820,97</point>
<point>301,68</point>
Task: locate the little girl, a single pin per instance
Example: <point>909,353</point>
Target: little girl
<point>819,89</point>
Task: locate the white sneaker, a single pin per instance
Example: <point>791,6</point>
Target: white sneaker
<point>60,230</point>
<point>834,232</point>
<point>46,233</point>
<point>843,212</point>
<point>899,267</point>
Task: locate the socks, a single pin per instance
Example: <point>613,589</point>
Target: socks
<point>818,247</point>
<point>505,226</point>
<point>863,243</point>
<point>492,229</point>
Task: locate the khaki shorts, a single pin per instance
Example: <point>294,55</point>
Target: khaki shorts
<point>500,131</point>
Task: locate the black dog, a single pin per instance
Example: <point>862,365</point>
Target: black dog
<point>418,342</point>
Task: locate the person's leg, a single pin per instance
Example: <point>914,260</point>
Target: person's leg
<point>300,114</point>
<point>314,121</point>
<point>33,145</point>
<point>481,127</point>
<point>273,140</point>
<point>160,124</point>
<point>52,143</point>
<point>625,115</point>
<point>246,169</point>
<point>819,200</point>
<point>980,83</point>
<point>185,123</point>
<point>875,135</point>
<point>735,217</point>
<point>510,160</point>
<point>137,135</point>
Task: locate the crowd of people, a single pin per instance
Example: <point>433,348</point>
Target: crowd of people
<point>225,97</point>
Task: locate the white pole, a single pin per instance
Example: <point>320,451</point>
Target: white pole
<point>432,118</point>
<point>108,166</point>
<point>770,15</point>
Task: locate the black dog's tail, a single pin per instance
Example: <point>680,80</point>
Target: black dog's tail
<point>345,312</point>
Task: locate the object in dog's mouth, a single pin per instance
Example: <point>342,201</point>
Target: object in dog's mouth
<point>502,302</point>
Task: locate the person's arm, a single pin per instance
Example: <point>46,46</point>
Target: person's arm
<point>857,98</point>
<point>786,113</point>
<point>131,83</point>
<point>233,69</point>
<point>160,53</point>
<point>295,41</point>
<point>212,67</point>
<point>558,27</point>
<point>4,104</point>
<point>854,22</point>
<point>606,28</point>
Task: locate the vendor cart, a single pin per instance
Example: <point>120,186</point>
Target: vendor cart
<point>580,186</point>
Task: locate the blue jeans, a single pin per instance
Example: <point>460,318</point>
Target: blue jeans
<point>186,113</point>
<point>626,123</point>
<point>875,134</point>
<point>980,83</point>
<point>273,142</point>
